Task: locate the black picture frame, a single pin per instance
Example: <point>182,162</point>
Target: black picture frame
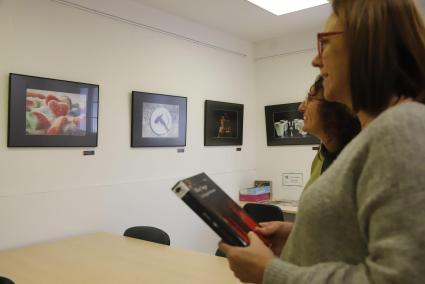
<point>284,126</point>
<point>158,120</point>
<point>46,112</point>
<point>225,118</point>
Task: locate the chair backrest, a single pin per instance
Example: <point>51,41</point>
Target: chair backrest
<point>147,233</point>
<point>4,280</point>
<point>263,212</point>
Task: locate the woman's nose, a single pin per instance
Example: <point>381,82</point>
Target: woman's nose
<point>301,107</point>
<point>317,61</point>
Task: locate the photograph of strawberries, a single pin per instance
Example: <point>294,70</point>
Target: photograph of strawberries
<point>55,113</point>
<point>46,112</point>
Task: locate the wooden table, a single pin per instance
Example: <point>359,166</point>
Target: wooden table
<point>107,258</point>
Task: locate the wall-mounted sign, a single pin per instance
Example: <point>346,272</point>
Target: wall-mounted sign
<point>292,179</point>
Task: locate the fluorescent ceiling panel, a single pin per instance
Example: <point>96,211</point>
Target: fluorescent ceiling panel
<point>280,7</point>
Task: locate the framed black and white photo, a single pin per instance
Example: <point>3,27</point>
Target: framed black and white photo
<point>284,126</point>
<point>52,113</point>
<point>223,123</point>
<point>158,120</point>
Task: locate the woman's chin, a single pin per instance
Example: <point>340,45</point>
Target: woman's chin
<point>337,97</point>
<point>329,96</point>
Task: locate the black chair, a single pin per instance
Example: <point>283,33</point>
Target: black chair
<point>4,280</point>
<point>263,212</point>
<point>147,233</point>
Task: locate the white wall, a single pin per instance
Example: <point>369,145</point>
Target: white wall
<point>283,74</point>
<point>50,193</point>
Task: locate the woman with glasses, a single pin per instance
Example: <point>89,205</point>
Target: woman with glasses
<point>333,123</point>
<point>362,221</point>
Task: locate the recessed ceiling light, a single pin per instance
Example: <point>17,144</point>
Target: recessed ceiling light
<point>280,7</point>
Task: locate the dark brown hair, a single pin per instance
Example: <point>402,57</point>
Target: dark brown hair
<point>386,46</point>
<point>338,121</point>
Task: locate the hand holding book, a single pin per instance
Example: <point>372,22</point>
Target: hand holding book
<point>277,233</point>
<point>218,210</point>
<point>248,263</point>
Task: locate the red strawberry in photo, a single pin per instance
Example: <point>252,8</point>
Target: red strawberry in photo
<point>35,95</point>
<point>58,108</point>
<point>66,99</point>
<point>50,98</point>
<point>32,103</point>
<point>57,126</point>
<point>42,121</point>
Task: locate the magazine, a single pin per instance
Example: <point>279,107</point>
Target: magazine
<point>217,209</point>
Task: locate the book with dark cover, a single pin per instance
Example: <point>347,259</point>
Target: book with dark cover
<point>217,209</point>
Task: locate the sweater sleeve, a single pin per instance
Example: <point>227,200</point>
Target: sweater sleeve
<point>390,197</point>
<point>281,272</point>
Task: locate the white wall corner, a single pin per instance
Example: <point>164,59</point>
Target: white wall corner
<point>154,19</point>
<point>287,44</point>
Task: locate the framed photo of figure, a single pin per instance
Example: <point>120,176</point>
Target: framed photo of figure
<point>223,123</point>
<point>52,113</point>
<point>284,126</point>
<point>158,120</point>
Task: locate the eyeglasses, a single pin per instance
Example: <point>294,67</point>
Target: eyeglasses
<point>321,42</point>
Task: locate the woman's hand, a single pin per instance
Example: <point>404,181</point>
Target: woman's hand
<point>277,232</point>
<point>248,263</point>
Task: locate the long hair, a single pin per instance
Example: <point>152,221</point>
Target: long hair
<point>337,120</point>
<point>386,46</point>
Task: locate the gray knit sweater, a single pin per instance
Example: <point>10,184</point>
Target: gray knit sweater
<point>363,220</point>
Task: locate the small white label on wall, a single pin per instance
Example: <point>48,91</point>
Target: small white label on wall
<point>292,179</point>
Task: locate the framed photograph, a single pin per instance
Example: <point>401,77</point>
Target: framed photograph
<point>223,124</point>
<point>158,120</point>
<point>284,125</point>
<point>51,113</point>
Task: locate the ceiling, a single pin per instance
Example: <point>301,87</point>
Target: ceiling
<point>241,18</point>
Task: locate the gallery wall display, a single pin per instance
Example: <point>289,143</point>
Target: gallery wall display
<point>284,125</point>
<point>223,123</point>
<point>158,120</point>
<point>51,113</point>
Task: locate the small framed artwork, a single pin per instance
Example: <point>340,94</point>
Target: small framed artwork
<point>158,120</point>
<point>51,113</point>
<point>223,124</point>
<point>284,126</point>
